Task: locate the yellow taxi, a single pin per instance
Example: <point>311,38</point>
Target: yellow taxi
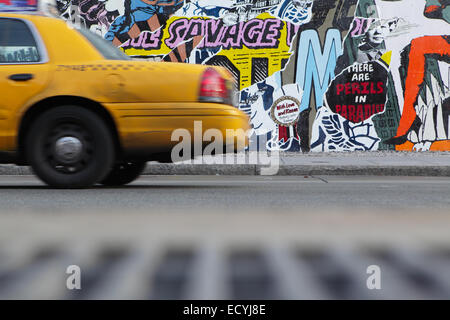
<point>80,112</point>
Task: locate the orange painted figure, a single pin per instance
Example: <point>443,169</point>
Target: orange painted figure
<point>434,46</point>
<point>437,47</point>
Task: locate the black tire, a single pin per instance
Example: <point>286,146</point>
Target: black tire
<point>90,154</point>
<point>124,173</point>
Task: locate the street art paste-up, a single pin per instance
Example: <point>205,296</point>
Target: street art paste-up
<point>359,90</point>
<point>313,75</point>
<point>420,65</point>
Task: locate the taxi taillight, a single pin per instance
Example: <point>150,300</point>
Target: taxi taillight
<point>213,87</point>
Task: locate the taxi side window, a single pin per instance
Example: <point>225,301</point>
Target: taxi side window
<point>17,44</point>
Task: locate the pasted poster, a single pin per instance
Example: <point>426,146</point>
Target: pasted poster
<point>313,75</point>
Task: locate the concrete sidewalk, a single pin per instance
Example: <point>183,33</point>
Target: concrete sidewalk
<point>334,163</point>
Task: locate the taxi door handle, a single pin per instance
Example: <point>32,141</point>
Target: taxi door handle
<point>21,77</point>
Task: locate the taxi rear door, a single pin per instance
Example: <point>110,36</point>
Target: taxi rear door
<point>23,71</point>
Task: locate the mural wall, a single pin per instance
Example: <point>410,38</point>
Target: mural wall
<point>314,75</point>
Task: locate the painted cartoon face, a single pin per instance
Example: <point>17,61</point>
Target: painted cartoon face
<point>378,34</point>
<point>380,29</point>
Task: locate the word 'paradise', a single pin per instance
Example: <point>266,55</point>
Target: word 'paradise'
<point>360,112</point>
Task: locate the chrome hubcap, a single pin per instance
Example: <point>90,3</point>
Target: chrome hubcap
<point>68,149</point>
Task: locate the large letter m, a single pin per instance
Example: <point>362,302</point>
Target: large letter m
<point>316,65</point>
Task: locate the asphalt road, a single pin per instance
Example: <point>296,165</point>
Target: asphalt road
<point>224,237</point>
<point>231,193</point>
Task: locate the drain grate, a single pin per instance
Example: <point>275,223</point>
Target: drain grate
<point>330,273</point>
<point>224,256</point>
<point>106,260</point>
<point>170,280</point>
<point>250,276</point>
<point>331,276</point>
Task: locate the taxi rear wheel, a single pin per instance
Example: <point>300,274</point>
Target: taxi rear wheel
<point>124,173</point>
<point>70,147</point>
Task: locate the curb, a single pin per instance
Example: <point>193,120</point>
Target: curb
<point>284,170</point>
<point>298,170</point>
<point>13,170</point>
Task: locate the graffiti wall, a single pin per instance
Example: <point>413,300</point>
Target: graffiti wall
<point>313,75</point>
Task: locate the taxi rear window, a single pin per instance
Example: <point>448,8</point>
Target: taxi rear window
<point>17,44</point>
<point>107,49</point>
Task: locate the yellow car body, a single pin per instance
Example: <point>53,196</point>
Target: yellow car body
<point>142,102</point>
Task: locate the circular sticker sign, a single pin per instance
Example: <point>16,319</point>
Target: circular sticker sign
<point>285,111</point>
